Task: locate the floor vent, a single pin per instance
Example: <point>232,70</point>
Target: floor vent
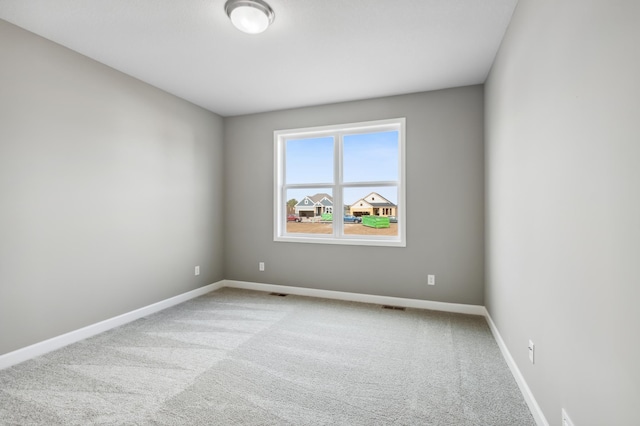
<point>278,294</point>
<point>397,308</point>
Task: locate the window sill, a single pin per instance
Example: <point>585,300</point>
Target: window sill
<point>329,239</point>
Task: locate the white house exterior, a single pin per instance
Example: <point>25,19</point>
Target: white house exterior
<point>373,204</point>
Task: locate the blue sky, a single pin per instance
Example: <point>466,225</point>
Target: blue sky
<point>367,157</point>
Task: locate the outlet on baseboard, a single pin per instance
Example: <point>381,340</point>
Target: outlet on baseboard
<point>196,271</point>
<point>261,266</point>
<point>566,421</point>
<point>431,279</point>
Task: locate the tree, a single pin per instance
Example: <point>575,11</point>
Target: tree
<point>292,203</point>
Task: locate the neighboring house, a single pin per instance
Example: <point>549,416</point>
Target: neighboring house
<point>373,204</point>
<point>315,205</point>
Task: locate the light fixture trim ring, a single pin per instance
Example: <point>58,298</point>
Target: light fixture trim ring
<point>262,6</point>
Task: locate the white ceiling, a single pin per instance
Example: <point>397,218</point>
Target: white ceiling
<point>316,51</point>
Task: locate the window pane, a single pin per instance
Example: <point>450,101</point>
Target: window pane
<point>371,211</point>
<point>357,163</point>
<point>309,160</point>
<point>370,157</point>
<point>309,211</point>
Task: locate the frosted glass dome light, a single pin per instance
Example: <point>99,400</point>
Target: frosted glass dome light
<point>249,16</point>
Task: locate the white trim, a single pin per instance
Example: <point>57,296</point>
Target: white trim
<point>345,240</point>
<point>41,348</point>
<point>363,298</point>
<point>535,409</point>
<point>338,132</point>
<point>329,129</point>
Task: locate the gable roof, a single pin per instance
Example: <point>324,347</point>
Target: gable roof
<point>309,202</point>
<point>319,196</point>
<point>374,200</point>
<point>320,199</point>
<point>361,201</point>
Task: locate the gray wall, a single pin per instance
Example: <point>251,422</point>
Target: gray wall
<point>109,192</point>
<point>563,204</point>
<point>445,202</point>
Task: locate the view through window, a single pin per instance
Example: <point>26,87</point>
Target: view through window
<point>341,184</point>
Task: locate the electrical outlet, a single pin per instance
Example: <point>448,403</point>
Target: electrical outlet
<point>431,279</point>
<point>531,351</point>
<point>261,266</point>
<point>566,421</point>
<point>197,271</point>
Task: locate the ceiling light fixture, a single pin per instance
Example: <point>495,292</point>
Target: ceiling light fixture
<point>249,16</point>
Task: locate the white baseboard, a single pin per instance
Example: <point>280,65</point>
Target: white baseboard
<point>364,298</point>
<point>536,411</point>
<point>41,348</point>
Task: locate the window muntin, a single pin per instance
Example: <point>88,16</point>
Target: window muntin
<point>366,163</point>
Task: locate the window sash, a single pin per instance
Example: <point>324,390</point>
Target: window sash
<point>337,187</point>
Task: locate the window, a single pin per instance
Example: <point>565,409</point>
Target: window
<point>356,169</point>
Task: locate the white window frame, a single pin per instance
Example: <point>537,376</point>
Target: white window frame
<point>338,131</point>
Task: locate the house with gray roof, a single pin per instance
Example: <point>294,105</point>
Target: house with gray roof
<point>373,204</point>
<point>314,206</point>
